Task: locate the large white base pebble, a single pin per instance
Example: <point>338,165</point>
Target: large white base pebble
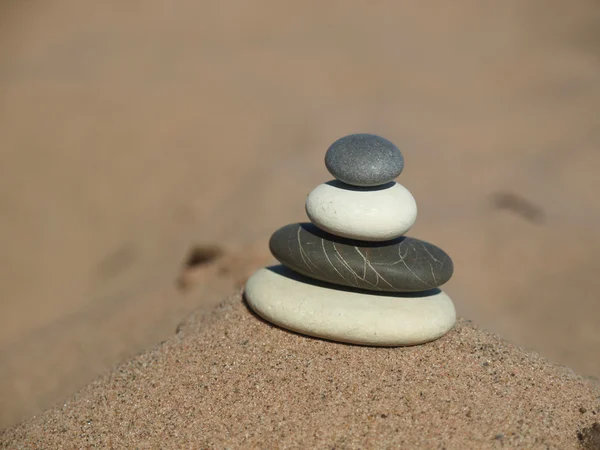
<point>300,304</point>
<point>367,214</point>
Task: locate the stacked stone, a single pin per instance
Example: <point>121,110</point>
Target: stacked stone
<point>351,275</point>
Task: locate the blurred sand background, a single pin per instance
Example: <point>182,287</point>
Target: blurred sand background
<point>132,133</point>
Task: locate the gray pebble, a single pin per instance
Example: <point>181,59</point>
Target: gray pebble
<point>364,160</point>
<point>400,265</point>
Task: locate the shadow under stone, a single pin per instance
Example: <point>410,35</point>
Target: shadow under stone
<point>316,231</point>
<point>348,187</point>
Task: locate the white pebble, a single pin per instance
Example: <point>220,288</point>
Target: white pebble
<point>297,303</point>
<point>367,214</point>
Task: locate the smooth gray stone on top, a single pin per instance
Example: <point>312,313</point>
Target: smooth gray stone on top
<point>400,265</point>
<point>364,160</point>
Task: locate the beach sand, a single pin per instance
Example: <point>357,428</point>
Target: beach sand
<point>135,135</point>
<point>231,380</point>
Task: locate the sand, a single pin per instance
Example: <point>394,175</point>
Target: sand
<point>132,134</point>
<point>230,380</point>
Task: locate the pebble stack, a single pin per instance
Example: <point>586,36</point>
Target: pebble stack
<point>351,275</point>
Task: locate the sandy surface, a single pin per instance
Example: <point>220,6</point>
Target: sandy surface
<point>231,380</point>
<point>131,134</point>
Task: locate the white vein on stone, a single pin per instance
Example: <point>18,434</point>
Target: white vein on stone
<point>377,274</point>
<point>305,257</point>
<point>410,270</point>
<point>345,263</point>
<point>302,253</point>
<point>430,255</point>
<point>329,260</point>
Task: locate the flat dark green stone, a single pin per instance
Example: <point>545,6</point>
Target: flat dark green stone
<point>400,265</point>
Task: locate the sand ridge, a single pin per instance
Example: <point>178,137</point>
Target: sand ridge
<point>229,379</point>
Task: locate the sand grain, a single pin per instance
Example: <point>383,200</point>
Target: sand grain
<point>229,379</point>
